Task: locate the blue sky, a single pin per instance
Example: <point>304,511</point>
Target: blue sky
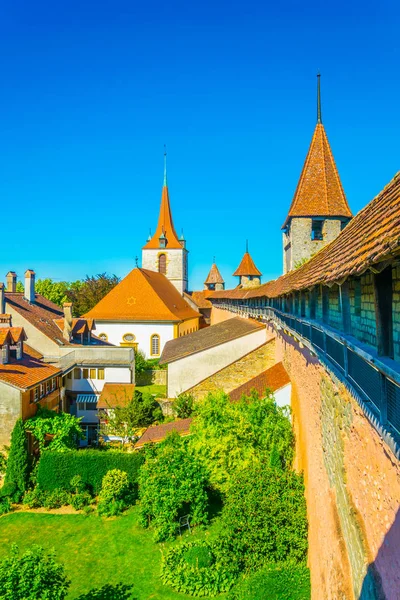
<point>91,91</point>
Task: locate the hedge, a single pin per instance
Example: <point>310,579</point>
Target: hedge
<point>275,582</point>
<point>56,469</point>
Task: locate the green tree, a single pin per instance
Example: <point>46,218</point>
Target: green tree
<point>183,406</point>
<point>34,575</point>
<point>140,362</point>
<point>229,436</point>
<point>85,294</point>
<point>55,291</point>
<point>172,483</point>
<point>18,463</point>
<point>264,517</point>
<point>126,420</point>
<point>64,429</point>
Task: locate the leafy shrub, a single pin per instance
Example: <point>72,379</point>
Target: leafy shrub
<point>183,406</point>
<point>64,428</point>
<point>81,500</point>
<point>56,499</point>
<point>34,498</point>
<point>198,569</point>
<point>8,490</point>
<point>121,591</point>
<point>5,505</point>
<point>172,483</point>
<point>3,463</point>
<point>114,496</point>
<point>38,498</point>
<point>264,517</point>
<point>18,462</point>
<point>56,469</point>
<point>33,576</point>
<point>229,436</point>
<point>77,485</point>
<point>275,582</point>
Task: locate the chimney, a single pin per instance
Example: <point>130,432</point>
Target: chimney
<point>20,350</point>
<point>67,308</point>
<point>2,300</point>
<point>29,291</point>
<point>11,279</point>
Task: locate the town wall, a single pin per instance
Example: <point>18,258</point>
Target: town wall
<point>218,315</point>
<point>239,372</point>
<point>352,485</point>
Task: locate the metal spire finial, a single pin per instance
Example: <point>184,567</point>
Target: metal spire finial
<point>136,261</point>
<point>214,260</point>
<point>319,117</point>
<point>247,246</point>
<point>165,165</point>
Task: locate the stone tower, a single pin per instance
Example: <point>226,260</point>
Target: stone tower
<point>214,279</point>
<point>164,251</point>
<point>319,209</point>
<point>249,275</point>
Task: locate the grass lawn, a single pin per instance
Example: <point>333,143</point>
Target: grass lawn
<point>159,390</point>
<point>94,550</point>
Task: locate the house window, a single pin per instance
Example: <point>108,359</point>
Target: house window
<point>155,345</point>
<point>42,390</point>
<point>92,373</point>
<point>77,373</point>
<point>85,373</point>
<point>69,375</point>
<point>162,264</point>
<point>48,386</point>
<point>357,297</point>
<point>316,230</point>
<point>128,337</point>
<point>35,395</point>
<point>103,336</point>
<point>100,373</point>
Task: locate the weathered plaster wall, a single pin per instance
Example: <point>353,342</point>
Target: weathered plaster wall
<point>302,247</point>
<point>352,486</point>
<point>239,372</point>
<point>218,315</point>
<point>10,411</point>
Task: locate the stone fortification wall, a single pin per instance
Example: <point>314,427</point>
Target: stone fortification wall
<point>152,376</point>
<point>218,315</point>
<point>237,373</point>
<point>352,485</point>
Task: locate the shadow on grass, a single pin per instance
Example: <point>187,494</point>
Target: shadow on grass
<point>121,591</point>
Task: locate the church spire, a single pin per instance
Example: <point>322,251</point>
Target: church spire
<point>165,229</point>
<point>165,166</point>
<point>319,117</point>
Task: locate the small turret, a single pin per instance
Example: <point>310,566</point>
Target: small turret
<point>249,275</point>
<point>214,279</point>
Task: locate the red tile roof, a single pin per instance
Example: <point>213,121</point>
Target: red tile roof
<point>214,275</point>
<point>273,379</point>
<point>247,266</point>
<point>116,394</point>
<point>157,433</point>
<point>165,225</point>
<point>372,236</point>
<point>143,296</point>
<point>319,191</point>
<point>201,299</point>
<point>27,372</point>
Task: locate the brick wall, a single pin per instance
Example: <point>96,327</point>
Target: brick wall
<point>237,373</point>
<point>352,486</point>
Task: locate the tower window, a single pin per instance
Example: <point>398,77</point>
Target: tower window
<point>155,345</point>
<point>162,264</point>
<point>316,230</point>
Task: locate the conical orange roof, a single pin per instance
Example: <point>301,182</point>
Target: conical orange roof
<point>214,275</point>
<point>319,191</point>
<point>165,225</point>
<point>247,266</point>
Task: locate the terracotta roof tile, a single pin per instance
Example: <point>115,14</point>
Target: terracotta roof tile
<point>165,225</point>
<point>27,372</point>
<point>273,378</point>
<point>201,298</point>
<point>319,190</point>
<point>247,266</point>
<point>372,236</point>
<point>116,394</point>
<point>143,296</point>
<point>208,338</point>
<point>156,433</point>
<point>214,275</point>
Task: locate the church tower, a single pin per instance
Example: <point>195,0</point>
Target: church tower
<point>164,251</point>
<point>319,209</point>
<point>249,275</point>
